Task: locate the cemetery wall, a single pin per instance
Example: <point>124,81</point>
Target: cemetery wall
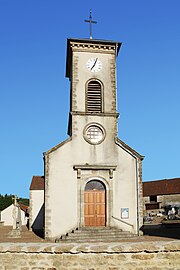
<point>100,256</point>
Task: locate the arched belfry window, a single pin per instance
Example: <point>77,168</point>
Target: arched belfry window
<point>94,96</point>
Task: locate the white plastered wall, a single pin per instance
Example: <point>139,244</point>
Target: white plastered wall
<point>36,209</point>
<point>125,192</point>
<point>63,189</point>
<point>7,216</point>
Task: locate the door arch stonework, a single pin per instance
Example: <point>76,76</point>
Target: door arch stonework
<point>95,204</point>
<point>81,187</point>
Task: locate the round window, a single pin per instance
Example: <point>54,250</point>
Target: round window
<point>94,134</point>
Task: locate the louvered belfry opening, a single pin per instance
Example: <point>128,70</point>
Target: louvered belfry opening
<point>94,97</point>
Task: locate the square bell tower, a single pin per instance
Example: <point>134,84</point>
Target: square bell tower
<point>91,69</point>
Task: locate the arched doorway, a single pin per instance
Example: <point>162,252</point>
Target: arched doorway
<point>95,204</point>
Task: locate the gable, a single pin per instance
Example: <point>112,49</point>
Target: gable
<point>128,149</point>
<point>57,147</point>
<point>11,207</point>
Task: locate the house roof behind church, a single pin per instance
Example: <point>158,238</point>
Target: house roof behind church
<point>37,183</point>
<point>23,207</point>
<point>161,187</point>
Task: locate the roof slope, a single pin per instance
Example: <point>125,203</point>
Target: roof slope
<point>37,183</point>
<point>128,148</point>
<point>22,206</point>
<point>161,187</point>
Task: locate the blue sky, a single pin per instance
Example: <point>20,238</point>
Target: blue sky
<point>34,93</point>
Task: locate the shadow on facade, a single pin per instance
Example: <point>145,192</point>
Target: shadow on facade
<point>38,223</point>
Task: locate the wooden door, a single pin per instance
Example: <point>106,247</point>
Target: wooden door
<point>94,208</point>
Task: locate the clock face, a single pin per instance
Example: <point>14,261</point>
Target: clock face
<point>94,65</point>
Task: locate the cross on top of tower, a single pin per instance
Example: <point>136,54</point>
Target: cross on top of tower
<point>90,21</point>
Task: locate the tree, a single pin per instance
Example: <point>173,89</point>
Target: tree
<point>24,201</point>
<point>6,200</point>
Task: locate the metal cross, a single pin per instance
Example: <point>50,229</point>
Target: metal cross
<point>90,21</point>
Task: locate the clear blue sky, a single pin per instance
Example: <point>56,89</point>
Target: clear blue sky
<point>34,93</point>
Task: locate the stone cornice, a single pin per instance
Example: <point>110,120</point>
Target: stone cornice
<point>95,114</point>
<point>94,167</point>
<point>89,45</point>
<point>110,168</point>
<point>93,47</point>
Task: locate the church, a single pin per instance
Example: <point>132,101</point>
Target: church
<point>92,179</point>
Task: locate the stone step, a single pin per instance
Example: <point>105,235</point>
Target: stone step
<point>99,228</point>
<point>97,239</point>
<point>95,234</point>
<point>94,230</point>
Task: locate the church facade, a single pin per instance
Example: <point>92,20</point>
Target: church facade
<point>92,179</point>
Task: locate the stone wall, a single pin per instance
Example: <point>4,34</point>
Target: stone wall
<point>170,199</point>
<point>113,256</point>
<point>164,199</point>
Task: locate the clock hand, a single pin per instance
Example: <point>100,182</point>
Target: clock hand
<point>94,63</point>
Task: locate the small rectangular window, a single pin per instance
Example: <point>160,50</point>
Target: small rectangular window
<point>153,198</point>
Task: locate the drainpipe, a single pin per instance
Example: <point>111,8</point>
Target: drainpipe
<point>137,187</point>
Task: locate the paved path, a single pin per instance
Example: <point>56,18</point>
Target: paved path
<point>26,235</point>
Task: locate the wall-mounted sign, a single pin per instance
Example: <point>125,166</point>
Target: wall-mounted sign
<point>124,212</point>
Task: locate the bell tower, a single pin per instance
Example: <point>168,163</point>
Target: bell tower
<point>91,69</point>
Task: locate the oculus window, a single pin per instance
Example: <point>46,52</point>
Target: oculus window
<point>94,133</point>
